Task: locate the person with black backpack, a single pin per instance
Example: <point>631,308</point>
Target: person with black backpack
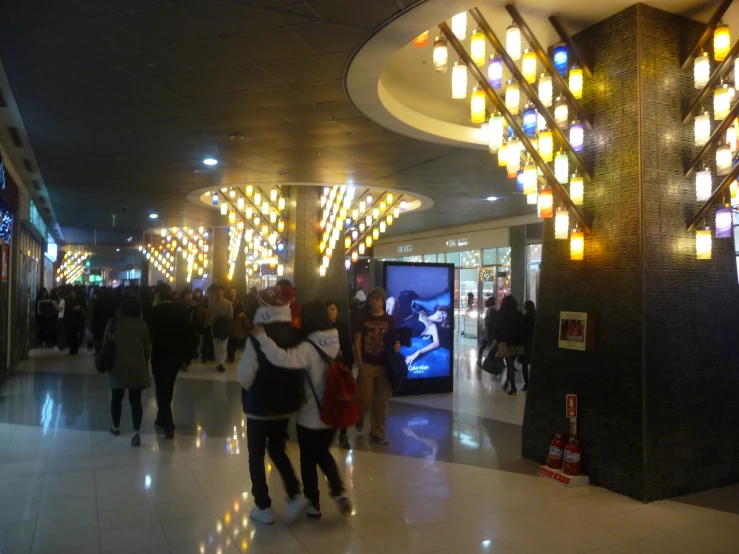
<point>268,403</point>
<point>312,357</point>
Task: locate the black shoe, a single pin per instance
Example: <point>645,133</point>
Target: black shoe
<point>524,388</point>
<point>169,434</point>
<point>512,392</point>
<point>344,442</point>
<point>220,369</point>
<point>359,426</point>
<point>115,431</point>
<point>158,425</point>
<point>136,440</point>
<point>230,360</point>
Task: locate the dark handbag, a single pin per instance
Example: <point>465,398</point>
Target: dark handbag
<point>105,358</point>
<point>493,365</point>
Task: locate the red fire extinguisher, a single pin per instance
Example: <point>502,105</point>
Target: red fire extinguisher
<point>556,451</point>
<point>573,455</point>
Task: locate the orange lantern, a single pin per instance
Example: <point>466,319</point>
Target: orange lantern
<point>421,40</point>
<point>546,203</point>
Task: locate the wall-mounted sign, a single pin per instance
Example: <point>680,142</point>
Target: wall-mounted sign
<point>576,330</point>
<point>405,248</point>
<point>35,218</point>
<point>51,248</point>
<point>453,243</point>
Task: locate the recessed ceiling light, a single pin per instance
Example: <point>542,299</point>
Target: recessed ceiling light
<point>210,161</point>
<point>117,249</point>
<point>153,216</point>
<point>491,198</point>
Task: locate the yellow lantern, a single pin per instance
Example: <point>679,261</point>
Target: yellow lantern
<point>249,190</point>
<point>513,157</point>
<point>477,106</point>
<point>733,187</point>
<point>512,96</point>
<point>577,188</point>
<point>355,256</point>
<point>528,66</point>
<point>546,145</point>
<point>576,82</point>
<point>530,174</point>
<point>703,244</point>
<point>231,217</point>
<point>577,245</point>
<point>477,48</point>
<point>561,224</point>
<point>375,233</point>
<point>280,226</point>
<point>721,44</point>
<point>502,155</point>
<point>721,102</point>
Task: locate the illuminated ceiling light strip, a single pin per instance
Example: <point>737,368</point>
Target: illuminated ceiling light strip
<point>376,223</point>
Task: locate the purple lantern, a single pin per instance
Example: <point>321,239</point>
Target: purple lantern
<point>723,222</point>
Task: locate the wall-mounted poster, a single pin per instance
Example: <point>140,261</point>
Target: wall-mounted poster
<point>420,299</point>
<point>576,330</point>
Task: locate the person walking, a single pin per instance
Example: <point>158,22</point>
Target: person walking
<point>240,325</point>
<point>220,320</point>
<point>529,323</point>
<point>369,343</point>
<point>487,329</point>
<point>267,433</point>
<point>346,351</point>
<point>103,310</point>
<point>319,347</point>
<point>131,366</point>
<point>509,336</point>
<point>170,340</point>
<point>74,320</point>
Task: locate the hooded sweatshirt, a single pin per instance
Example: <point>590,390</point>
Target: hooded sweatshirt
<point>305,357</point>
<point>277,324</point>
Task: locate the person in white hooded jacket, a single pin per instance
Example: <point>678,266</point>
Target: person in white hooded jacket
<point>314,436</point>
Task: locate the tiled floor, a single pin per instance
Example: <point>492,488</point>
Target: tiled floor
<point>450,482</point>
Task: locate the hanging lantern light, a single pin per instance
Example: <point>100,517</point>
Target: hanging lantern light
<point>520,181</point>
<point>703,185</point>
<point>459,25</point>
<point>577,189</point>
<point>361,248</point>
<point>495,72</point>
<point>512,97</point>
<point>724,225</point>
<point>231,217</point>
<point>561,112</point>
<point>545,89</point>
<point>703,243</point>
<point>541,123</point>
<point>702,128</point>
<point>513,157</point>
<point>440,55</point>
<point>513,41</point>
<point>224,208</point>
<point>459,81</point>
<point>546,145</point>
<point>529,120</point>
<point>503,155</point>
<point>701,70</point>
<point>721,42</point>
<point>721,102</point>
<point>531,199</point>
<point>477,48</point>
<point>562,167</point>
<point>528,66</point>
<point>733,191</point>
<point>723,159</point>
<point>731,137</point>
<point>478,106</point>
<point>576,136</point>
<point>375,233</point>
<point>546,203</point>
<point>575,82</point>
<point>495,132</point>
<point>530,174</point>
<point>368,241</point>
<point>347,242</point>
<point>562,224</point>
<point>577,245</point>
<point>240,203</point>
<point>421,40</point>
<point>560,59</point>
<point>215,198</point>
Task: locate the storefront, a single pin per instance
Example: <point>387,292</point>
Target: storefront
<point>32,248</point>
<point>8,271</point>
<point>491,259</point>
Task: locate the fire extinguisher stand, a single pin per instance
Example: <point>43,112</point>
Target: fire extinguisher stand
<point>558,475</point>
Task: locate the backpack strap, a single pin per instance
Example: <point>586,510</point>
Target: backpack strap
<point>326,359</point>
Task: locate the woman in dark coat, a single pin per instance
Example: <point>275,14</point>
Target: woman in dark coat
<point>131,368</point>
<point>509,336</point>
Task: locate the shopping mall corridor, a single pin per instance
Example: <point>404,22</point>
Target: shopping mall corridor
<point>450,481</point>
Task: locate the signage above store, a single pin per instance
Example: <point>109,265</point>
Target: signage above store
<point>452,243</point>
<point>36,220</point>
<point>405,248</point>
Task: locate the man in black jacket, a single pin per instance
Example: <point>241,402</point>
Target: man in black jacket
<point>170,332</point>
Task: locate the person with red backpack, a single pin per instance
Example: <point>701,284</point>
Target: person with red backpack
<point>332,401</point>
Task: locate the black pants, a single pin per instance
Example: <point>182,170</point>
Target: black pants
<point>164,378</point>
<point>137,410</point>
<point>525,372</point>
<point>314,451</point>
<point>233,343</point>
<point>206,350</point>
<point>75,334</point>
<point>269,436</point>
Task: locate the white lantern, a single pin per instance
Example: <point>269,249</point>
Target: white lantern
<point>561,112</point>
<point>496,126</point>
<point>731,137</point>
<point>545,89</point>
<point>513,41</point>
<point>562,224</point>
<point>702,128</point>
<point>512,97</point>
<point>459,81</point>
<point>530,174</point>
<point>513,156</point>
<point>577,189</point>
<point>459,25</point>
<point>532,199</point>
<point>562,167</point>
<point>440,55</point>
<point>703,185</point>
<point>701,70</point>
<point>723,159</point>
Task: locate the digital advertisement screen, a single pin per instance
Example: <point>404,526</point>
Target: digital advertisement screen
<point>420,298</point>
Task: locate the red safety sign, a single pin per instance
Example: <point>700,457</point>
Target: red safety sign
<point>571,405</point>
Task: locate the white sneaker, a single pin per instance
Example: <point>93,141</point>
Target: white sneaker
<point>295,507</point>
<point>344,504</point>
<point>262,516</point>
<point>313,512</point>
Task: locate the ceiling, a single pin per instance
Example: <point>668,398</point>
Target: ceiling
<point>123,99</point>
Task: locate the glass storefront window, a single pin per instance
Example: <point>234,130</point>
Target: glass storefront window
<point>469,258</point>
<point>414,259</point>
<point>440,258</point>
<point>534,253</point>
<point>504,256</point>
<point>452,258</point>
<point>489,256</point>
<point>429,258</point>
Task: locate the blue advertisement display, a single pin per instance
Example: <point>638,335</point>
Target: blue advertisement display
<point>420,298</point>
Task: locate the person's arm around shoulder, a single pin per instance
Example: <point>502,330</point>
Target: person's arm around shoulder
<point>294,358</point>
